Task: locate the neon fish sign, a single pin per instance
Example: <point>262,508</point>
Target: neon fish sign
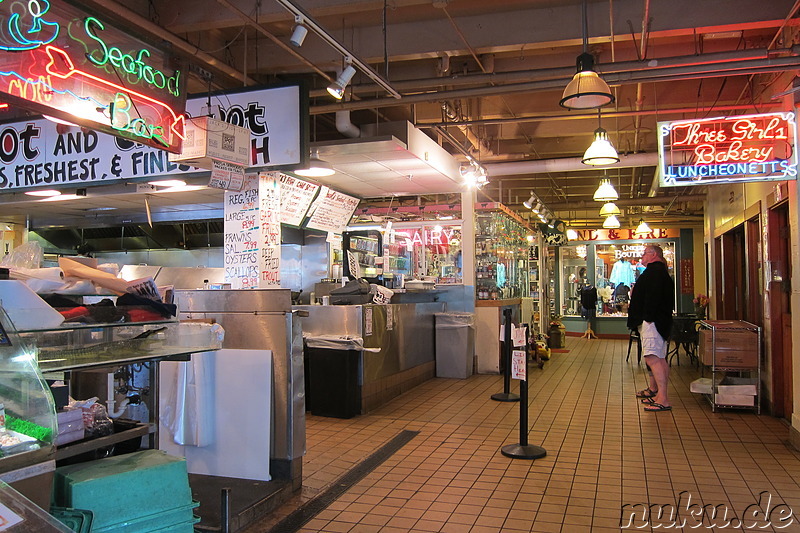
<point>740,148</point>
<point>127,89</point>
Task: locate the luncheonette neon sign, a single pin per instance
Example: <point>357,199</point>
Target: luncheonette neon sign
<point>743,148</point>
<point>64,66</point>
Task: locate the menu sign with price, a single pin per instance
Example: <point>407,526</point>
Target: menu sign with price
<point>242,230</point>
<point>331,211</point>
<point>269,193</point>
<point>296,198</point>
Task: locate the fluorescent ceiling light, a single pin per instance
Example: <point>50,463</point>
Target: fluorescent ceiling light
<point>43,192</point>
<point>168,183</point>
<point>62,197</point>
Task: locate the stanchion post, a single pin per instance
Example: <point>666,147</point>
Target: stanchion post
<point>523,450</point>
<point>506,395</point>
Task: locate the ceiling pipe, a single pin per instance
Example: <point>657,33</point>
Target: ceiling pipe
<point>345,126</point>
<point>641,74</point>
<point>567,164</point>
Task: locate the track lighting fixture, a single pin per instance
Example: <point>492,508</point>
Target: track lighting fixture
<point>530,202</point>
<point>299,34</point>
<point>336,89</point>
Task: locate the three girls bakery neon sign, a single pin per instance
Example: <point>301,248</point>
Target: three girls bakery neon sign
<point>59,62</point>
<point>719,150</point>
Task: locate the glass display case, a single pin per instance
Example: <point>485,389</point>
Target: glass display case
<point>427,250</point>
<point>363,251</point>
<point>28,415</point>
<point>501,257</point>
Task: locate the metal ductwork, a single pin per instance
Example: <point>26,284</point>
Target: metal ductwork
<point>567,164</point>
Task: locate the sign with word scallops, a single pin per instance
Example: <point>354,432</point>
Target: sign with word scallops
<point>728,149</point>
<point>63,63</point>
<point>242,235</point>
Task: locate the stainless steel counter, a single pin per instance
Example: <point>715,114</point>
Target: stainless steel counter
<point>402,334</point>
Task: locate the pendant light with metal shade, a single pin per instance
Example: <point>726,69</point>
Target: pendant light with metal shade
<point>642,227</point>
<point>605,192</point>
<point>608,209</point>
<point>611,222</point>
<point>601,152</point>
<point>317,168</point>
<point>587,90</point>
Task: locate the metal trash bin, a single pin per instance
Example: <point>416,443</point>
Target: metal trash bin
<point>333,375</point>
<point>455,344</point>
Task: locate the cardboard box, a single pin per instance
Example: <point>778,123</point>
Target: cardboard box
<point>744,400</point>
<point>737,386</point>
<point>735,348</point>
<point>209,139</point>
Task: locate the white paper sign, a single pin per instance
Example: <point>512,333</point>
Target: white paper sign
<point>241,235</point>
<point>226,176</point>
<point>331,211</point>
<point>352,264</point>
<point>296,198</point>
<point>367,320</point>
<point>518,335</point>
<point>519,365</point>
<point>8,518</point>
<point>269,193</point>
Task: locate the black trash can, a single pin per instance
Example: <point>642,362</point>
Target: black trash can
<point>333,382</point>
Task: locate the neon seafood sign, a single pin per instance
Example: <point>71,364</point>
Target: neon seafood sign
<point>59,62</point>
<point>740,148</point>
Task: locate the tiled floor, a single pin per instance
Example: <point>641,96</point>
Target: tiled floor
<point>603,452</point>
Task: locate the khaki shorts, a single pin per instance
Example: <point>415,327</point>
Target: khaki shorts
<point>652,341</point>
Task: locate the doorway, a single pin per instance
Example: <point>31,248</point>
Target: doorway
<point>778,288</point>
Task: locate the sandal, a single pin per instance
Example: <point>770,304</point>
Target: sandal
<point>654,407</point>
<point>646,393</point>
<point>646,400</point>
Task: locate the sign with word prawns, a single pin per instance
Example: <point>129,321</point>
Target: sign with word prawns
<point>720,150</point>
<point>62,63</point>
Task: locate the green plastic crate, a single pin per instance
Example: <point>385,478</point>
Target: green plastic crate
<point>78,520</point>
<point>124,488</point>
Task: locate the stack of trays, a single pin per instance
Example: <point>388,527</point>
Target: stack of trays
<point>136,492</point>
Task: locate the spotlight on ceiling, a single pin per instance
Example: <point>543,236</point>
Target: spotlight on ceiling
<point>605,192</point>
<point>529,203</point>
<point>299,33</point>
<point>336,89</point>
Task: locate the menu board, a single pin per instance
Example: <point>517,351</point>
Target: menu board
<point>269,192</point>
<point>296,198</point>
<point>242,235</point>
<point>331,211</point>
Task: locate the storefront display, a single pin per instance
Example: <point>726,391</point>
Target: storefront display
<point>610,267</point>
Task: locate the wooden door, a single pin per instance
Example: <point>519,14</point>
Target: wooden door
<point>779,290</point>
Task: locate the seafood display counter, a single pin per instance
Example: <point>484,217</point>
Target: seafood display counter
<point>26,354</point>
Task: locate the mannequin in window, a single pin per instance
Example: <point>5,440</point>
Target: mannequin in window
<point>588,295</point>
<point>622,296</point>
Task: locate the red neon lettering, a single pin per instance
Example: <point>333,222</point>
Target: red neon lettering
<point>694,135</point>
<point>707,153</point>
<point>746,130</point>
